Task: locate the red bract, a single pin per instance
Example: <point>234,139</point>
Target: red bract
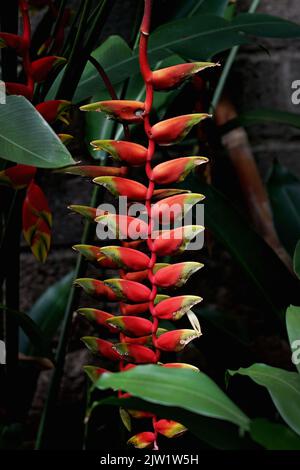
<point>41,68</point>
<point>54,110</point>
<point>102,347</point>
<point>18,176</point>
<point>37,221</point>
<point>171,77</point>
<point>174,130</point>
<point>121,110</point>
<point>142,440</point>
<point>128,152</point>
<point>175,171</point>
<point>123,187</point>
<point>19,89</point>
<point>92,171</point>
<point>14,41</point>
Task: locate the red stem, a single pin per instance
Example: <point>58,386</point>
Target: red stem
<point>26,36</point>
<point>147,76</point>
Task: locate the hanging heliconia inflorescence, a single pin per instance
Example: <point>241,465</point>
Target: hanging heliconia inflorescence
<point>141,307</point>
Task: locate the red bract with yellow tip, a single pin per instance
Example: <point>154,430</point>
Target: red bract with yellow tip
<point>175,171</point>
<point>54,110</point>
<point>123,187</point>
<point>171,77</point>
<point>17,176</point>
<point>41,68</point>
<point>142,440</point>
<point>174,130</point>
<point>122,151</point>
<point>120,110</point>
<point>37,221</point>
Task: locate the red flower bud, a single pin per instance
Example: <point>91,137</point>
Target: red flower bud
<point>176,275</point>
<point>142,440</point>
<point>18,176</point>
<point>122,151</point>
<point>19,89</point>
<point>54,110</point>
<point>175,171</point>
<point>172,131</point>
<point>176,340</point>
<point>135,353</point>
<point>131,326</point>
<point>173,308</point>
<point>171,77</point>
<point>121,110</point>
<point>41,68</point>
<point>169,428</point>
<point>93,171</point>
<point>102,347</point>
<point>128,290</point>
<point>123,187</point>
<point>126,258</point>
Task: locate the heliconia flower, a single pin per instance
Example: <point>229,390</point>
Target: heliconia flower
<point>102,347</point>
<point>139,276</point>
<point>170,242</point>
<point>142,440</point>
<point>175,171</point>
<point>176,275</point>
<point>174,207</point>
<point>41,68</point>
<point>173,308</point>
<point>123,187</point>
<point>124,226</point>
<point>19,89</point>
<point>96,288</point>
<point>121,110</point>
<point>171,77</point>
<point>66,138</point>
<point>86,211</point>
<point>37,221</point>
<point>128,290</point>
<point>172,131</point>
<point>17,176</point>
<point>93,171</point>
<point>126,258</point>
<point>98,316</point>
<point>135,353</point>
<point>180,365</point>
<point>94,372</point>
<point>122,151</point>
<point>137,414</point>
<point>167,192</point>
<point>176,340</point>
<point>169,428</point>
<point>93,254</point>
<point>54,110</point>
<point>131,326</point>
<point>14,41</point>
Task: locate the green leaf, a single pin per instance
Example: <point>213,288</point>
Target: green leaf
<point>284,192</point>
<point>271,277</point>
<point>190,390</point>
<point>283,386</point>
<point>31,330</point>
<point>273,436</point>
<point>258,116</point>
<point>212,7</point>
<point>261,25</point>
<point>293,329</point>
<point>48,311</point>
<point>296,260</point>
<point>25,137</point>
<point>216,433</point>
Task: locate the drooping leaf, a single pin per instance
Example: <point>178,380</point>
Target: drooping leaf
<point>47,312</point>
<point>293,329</point>
<point>273,436</point>
<point>26,138</point>
<point>284,192</point>
<point>284,389</point>
<point>183,388</point>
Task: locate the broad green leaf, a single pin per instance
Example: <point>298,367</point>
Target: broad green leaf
<point>212,7</point>
<point>293,329</point>
<point>48,311</point>
<point>25,137</point>
<point>203,37</point>
<point>218,434</point>
<point>258,116</point>
<point>271,277</point>
<point>284,192</point>
<point>283,386</point>
<point>296,259</point>
<point>193,391</point>
<point>32,331</point>
<point>273,436</point>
